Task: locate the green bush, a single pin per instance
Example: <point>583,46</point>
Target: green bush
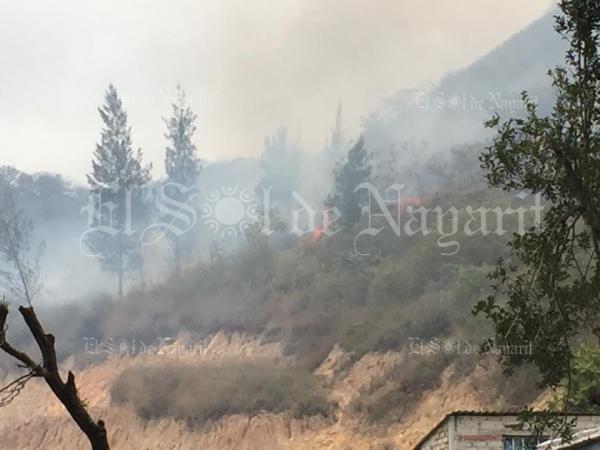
<point>294,271</point>
<point>395,280</point>
<point>197,394</point>
<point>585,383</point>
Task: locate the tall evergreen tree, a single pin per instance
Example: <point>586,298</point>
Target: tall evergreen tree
<point>348,175</point>
<point>182,166</point>
<point>336,143</point>
<point>280,168</point>
<point>117,178</point>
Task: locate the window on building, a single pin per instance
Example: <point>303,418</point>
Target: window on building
<point>522,442</point>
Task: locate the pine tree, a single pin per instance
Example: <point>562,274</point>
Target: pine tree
<point>354,171</point>
<point>116,180</point>
<point>182,166</point>
<point>336,143</point>
<point>280,168</point>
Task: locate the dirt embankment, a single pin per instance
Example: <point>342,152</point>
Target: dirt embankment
<point>35,420</point>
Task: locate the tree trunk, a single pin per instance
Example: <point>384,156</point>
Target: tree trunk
<point>177,257</point>
<point>142,274</point>
<point>120,267</point>
<point>120,284</point>
<point>66,392</point>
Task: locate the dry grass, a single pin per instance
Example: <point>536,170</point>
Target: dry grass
<point>198,394</point>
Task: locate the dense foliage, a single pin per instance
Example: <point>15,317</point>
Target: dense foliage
<point>547,293</point>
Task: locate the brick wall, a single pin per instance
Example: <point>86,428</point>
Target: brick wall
<point>486,432</point>
<point>438,440</point>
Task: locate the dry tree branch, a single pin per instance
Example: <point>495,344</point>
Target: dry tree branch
<point>65,391</point>
<point>9,392</point>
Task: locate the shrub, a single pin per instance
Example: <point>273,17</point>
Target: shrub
<point>198,394</point>
<point>395,280</point>
<point>387,399</point>
<point>585,384</point>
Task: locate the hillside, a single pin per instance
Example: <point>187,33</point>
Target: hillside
<point>274,332</point>
<point>378,346</point>
<point>454,110</point>
<point>37,409</point>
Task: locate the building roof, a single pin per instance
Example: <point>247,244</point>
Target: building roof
<point>579,439</point>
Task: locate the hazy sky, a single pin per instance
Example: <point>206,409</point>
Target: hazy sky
<point>248,66</point>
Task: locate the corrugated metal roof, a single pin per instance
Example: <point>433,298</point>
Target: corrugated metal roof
<point>579,439</point>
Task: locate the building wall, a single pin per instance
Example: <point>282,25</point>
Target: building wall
<point>473,432</point>
<point>592,446</point>
<point>438,440</point>
<point>486,432</point>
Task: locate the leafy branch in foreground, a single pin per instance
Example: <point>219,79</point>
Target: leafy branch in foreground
<point>547,295</point>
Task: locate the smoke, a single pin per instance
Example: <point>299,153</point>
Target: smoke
<point>246,66</point>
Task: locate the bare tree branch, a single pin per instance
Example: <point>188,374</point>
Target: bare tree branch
<point>9,392</point>
<point>19,276</point>
<point>9,349</point>
<point>66,392</point>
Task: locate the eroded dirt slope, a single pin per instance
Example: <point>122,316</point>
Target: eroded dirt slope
<point>35,420</point>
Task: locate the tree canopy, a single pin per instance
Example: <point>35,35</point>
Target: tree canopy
<point>547,293</point>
